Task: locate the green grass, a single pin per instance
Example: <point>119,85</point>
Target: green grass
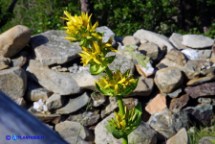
<point>197,134</point>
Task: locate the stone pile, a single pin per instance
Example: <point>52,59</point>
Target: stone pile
<point>176,86</point>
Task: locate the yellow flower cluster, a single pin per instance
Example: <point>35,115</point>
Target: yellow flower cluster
<point>117,85</point>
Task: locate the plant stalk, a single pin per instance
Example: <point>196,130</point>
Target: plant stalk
<point>120,105</point>
<point>125,140</point>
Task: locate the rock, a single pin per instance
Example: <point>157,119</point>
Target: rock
<point>20,59</point>
<point>174,58</point>
<point>145,71</point>
<point>110,107</point>
<point>180,138</point>
<point>205,100</point>
<point>51,47</point>
<point>48,118</point>
<point>13,82</point>
<point>181,119</point>
<point>162,123</point>
<point>194,68</point>
<point>176,40</point>
<point>157,104</point>
<point>151,50</point>
<point>207,140</point>
<point>4,63</point>
<point>177,104</point>
<point>193,54</point>
<point>57,82</point>
<point>85,80</point>
<point>168,79</point>
<point>144,87</point>
<point>86,118</point>
<point>142,135</point>
<point>98,99</point>
<point>14,40</point>
<point>74,104</point>
<point>197,41</point>
<point>202,114</point>
<point>122,63</point>
<point>206,89</point>
<point>107,33</point>
<point>72,132</point>
<point>175,93</point>
<point>201,80</point>
<point>158,39</point>
<point>36,92</point>
<point>20,101</point>
<point>54,102</point>
<point>130,40</point>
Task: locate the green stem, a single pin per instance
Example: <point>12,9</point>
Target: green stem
<point>120,105</point>
<point>125,140</point>
<point>109,72</point>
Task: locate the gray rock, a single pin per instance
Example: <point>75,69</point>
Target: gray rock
<point>51,47</point>
<point>175,93</point>
<point>180,138</point>
<point>144,87</point>
<point>158,39</point>
<point>36,92</point>
<point>206,89</point>
<point>130,40</point>
<point>205,100</point>
<point>47,118</point>
<point>110,107</point>
<point>200,80</point>
<point>174,58</point>
<point>107,33</point>
<point>168,79</point>
<point>176,40</point>
<point>86,118</point>
<point>145,71</point>
<point>151,50</point>
<point>20,59</point>
<point>57,82</point>
<point>14,40</point>
<point>72,132</point>
<point>202,114</point>
<point>193,54</point>
<point>98,99</point>
<point>4,63</point>
<point>142,135</point>
<point>197,41</point>
<point>13,82</point>
<point>54,102</point>
<point>207,140</point>
<point>74,104</point>
<point>162,123</point>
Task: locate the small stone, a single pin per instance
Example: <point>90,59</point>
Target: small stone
<point>98,99</point>
<point>48,118</point>
<point>174,58</point>
<point>175,93</point>
<point>146,71</point>
<point>107,33</point>
<point>207,140</point>
<point>151,50</point>
<point>110,107</point>
<point>157,104</point>
<point>71,131</point>
<point>74,104</point>
<point>176,40</point>
<point>201,113</point>
<point>14,40</point>
<point>201,80</point>
<point>192,54</point>
<point>168,79</point>
<point>40,106</point>
<point>197,41</point>
<point>177,104</point>
<point>180,138</point>
<point>205,100</point>
<point>205,89</point>
<point>13,82</point>
<point>144,87</point>
<point>86,118</point>
<point>162,123</point>
<point>54,102</point>
<point>130,40</point>
<point>158,39</point>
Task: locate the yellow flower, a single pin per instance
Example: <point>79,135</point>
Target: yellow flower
<point>117,84</point>
<point>79,28</point>
<point>123,125</point>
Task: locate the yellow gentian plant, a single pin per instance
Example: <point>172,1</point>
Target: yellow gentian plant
<point>112,83</point>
